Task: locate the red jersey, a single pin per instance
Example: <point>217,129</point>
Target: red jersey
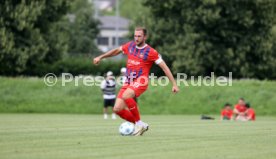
<point>227,113</point>
<point>240,108</point>
<point>139,60</point>
<point>250,113</point>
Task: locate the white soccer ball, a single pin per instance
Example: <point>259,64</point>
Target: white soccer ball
<point>126,128</point>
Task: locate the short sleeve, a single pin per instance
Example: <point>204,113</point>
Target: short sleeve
<point>125,47</point>
<point>157,58</point>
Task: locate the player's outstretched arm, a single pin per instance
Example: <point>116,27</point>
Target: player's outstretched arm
<point>110,53</point>
<point>168,73</point>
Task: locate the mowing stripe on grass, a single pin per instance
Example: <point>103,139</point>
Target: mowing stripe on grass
<point>32,136</point>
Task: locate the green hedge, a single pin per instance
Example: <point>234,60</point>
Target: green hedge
<point>77,65</point>
<point>31,95</point>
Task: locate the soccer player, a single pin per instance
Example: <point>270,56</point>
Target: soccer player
<point>227,112</point>
<point>108,87</point>
<point>250,113</point>
<point>239,110</point>
<point>140,57</point>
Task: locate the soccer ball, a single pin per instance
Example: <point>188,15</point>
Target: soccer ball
<point>126,128</point>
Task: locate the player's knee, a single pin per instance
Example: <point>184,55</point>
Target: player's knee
<point>127,96</point>
<point>129,93</point>
<point>116,109</point>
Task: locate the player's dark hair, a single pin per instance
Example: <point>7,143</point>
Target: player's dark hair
<point>227,104</point>
<point>143,29</point>
<point>247,105</point>
<point>241,98</point>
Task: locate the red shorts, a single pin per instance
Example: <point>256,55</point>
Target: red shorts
<point>138,90</point>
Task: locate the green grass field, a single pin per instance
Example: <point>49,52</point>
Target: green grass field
<point>32,136</point>
<point>31,95</point>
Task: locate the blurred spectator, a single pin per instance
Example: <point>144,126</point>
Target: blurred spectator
<point>227,112</point>
<point>108,87</point>
<point>239,110</point>
<point>123,76</point>
<point>250,113</point>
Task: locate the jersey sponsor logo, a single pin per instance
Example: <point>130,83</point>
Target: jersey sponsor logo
<point>133,62</point>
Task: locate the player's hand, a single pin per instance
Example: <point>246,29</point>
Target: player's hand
<point>175,89</point>
<point>96,60</point>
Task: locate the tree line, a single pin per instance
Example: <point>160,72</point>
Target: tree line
<point>42,32</point>
<point>196,37</point>
<point>203,36</point>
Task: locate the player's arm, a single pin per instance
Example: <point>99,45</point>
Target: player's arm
<point>235,111</point>
<point>103,85</point>
<point>249,115</point>
<point>235,114</point>
<point>232,117</point>
<point>110,53</point>
<point>168,73</point>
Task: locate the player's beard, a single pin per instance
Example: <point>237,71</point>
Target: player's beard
<point>139,44</point>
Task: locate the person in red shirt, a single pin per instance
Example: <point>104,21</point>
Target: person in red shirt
<point>227,112</point>
<point>250,113</point>
<point>239,110</point>
<point>140,57</point>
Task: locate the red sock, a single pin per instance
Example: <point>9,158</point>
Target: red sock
<point>127,115</point>
<point>133,108</point>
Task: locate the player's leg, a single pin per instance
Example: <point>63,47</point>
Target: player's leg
<point>120,109</point>
<point>112,103</point>
<point>241,118</point>
<point>105,111</point>
<point>128,95</point>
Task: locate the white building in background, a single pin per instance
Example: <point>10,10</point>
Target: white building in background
<point>113,29</point>
<point>107,5</point>
<point>107,37</point>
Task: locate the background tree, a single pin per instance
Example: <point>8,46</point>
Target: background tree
<point>35,34</point>
<point>83,28</point>
<point>29,33</point>
<point>203,36</point>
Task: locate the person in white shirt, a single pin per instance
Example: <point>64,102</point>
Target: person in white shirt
<point>108,87</point>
